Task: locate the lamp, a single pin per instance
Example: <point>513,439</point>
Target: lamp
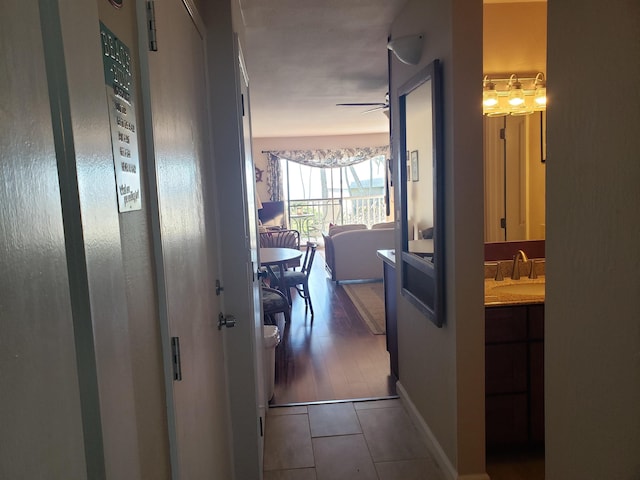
<point>407,49</point>
<point>514,94</point>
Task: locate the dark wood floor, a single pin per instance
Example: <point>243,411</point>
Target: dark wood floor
<point>333,357</point>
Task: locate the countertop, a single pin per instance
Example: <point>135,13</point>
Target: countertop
<point>492,297</point>
<point>495,297</point>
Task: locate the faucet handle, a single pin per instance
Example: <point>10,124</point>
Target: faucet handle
<point>532,273</point>
<point>499,277</point>
<point>515,267</point>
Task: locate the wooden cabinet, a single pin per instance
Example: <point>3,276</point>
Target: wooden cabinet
<point>514,375</point>
<point>391,322</point>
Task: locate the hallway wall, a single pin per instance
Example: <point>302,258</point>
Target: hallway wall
<point>38,364</point>
<point>138,265</point>
<point>81,368</point>
<point>442,369</point>
<point>592,314</point>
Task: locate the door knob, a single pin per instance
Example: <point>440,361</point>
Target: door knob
<point>228,321</point>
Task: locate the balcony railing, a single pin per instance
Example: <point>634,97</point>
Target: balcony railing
<point>313,216</point>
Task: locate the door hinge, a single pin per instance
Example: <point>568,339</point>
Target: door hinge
<point>502,134</point>
<point>261,429</point>
<point>151,26</point>
<point>219,288</point>
<point>503,222</point>
<point>175,358</point>
<point>242,98</point>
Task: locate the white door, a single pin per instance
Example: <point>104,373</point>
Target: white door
<point>494,165</point>
<point>236,211</point>
<point>200,441</point>
<point>516,177</point>
<point>252,222</point>
<point>505,178</point>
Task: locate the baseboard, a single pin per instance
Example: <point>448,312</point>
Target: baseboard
<point>431,441</point>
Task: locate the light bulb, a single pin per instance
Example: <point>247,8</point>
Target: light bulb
<point>516,94</point>
<point>540,92</point>
<point>540,96</point>
<point>490,98</point>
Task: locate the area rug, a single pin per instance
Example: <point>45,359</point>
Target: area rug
<point>368,298</point>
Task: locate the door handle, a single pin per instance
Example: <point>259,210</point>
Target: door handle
<point>228,321</point>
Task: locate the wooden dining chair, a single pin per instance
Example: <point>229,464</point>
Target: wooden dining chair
<point>282,239</point>
<point>300,279</point>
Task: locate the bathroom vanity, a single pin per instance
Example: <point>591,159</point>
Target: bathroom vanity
<point>514,362</point>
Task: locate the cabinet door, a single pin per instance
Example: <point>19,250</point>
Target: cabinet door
<point>506,420</point>
<point>536,391</point>
<point>536,322</point>
<point>506,368</point>
<point>505,324</point>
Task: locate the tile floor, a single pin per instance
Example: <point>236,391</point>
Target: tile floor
<point>352,440</point>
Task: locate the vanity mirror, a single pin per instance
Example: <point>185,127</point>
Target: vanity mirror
<point>514,175</point>
<point>421,191</point>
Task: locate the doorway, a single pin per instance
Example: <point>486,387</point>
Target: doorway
<point>332,357</point>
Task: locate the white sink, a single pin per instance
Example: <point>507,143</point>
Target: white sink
<point>534,289</point>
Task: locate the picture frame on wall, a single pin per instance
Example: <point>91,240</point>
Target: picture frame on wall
<point>414,166</point>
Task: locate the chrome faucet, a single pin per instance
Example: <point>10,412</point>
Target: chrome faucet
<point>515,272</point>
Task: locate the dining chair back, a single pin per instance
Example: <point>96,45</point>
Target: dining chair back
<point>300,279</point>
<point>282,239</point>
<point>273,302</point>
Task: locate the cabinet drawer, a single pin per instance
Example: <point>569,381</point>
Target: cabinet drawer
<point>506,368</point>
<point>506,420</point>
<point>505,324</point>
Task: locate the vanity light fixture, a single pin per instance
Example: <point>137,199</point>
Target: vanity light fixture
<point>489,94</point>
<point>540,93</point>
<point>514,94</point>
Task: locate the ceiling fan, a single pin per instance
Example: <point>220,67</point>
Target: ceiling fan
<point>376,106</point>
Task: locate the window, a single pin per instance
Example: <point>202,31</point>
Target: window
<point>318,196</point>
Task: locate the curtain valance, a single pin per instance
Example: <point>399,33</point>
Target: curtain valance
<point>329,158</point>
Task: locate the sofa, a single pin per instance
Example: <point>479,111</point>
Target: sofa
<point>350,250</point>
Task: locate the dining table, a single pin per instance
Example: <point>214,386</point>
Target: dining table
<point>278,257</point>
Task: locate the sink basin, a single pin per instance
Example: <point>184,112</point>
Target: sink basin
<point>534,289</point>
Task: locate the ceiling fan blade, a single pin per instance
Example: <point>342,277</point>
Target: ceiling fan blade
<point>377,109</point>
<point>369,104</point>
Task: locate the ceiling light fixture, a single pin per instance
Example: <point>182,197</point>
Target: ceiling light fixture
<point>407,49</point>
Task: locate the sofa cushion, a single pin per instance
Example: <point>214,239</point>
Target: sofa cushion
<point>383,225</point>
<point>344,228</point>
<point>355,253</point>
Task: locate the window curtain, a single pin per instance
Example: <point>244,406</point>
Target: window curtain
<point>326,158</point>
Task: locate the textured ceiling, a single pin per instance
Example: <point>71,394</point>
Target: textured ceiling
<point>304,56</point>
